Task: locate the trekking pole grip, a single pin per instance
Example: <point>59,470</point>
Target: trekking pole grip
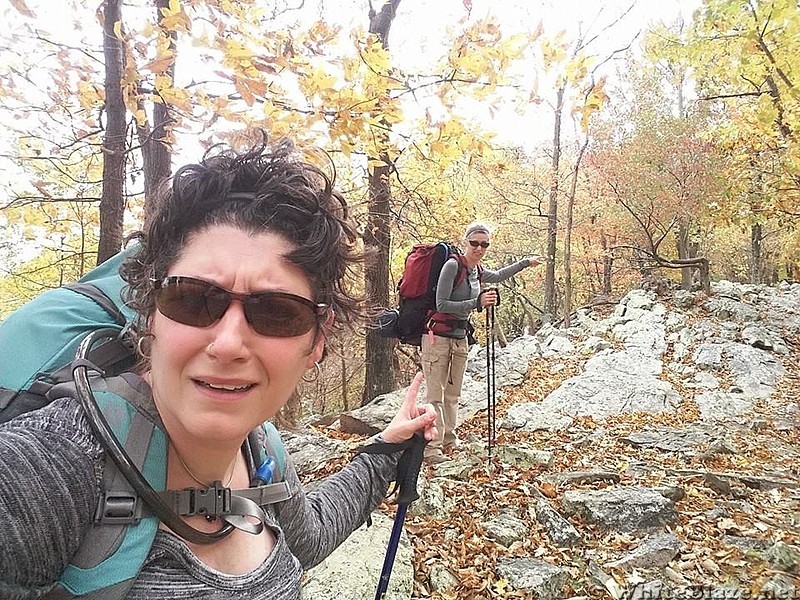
<point>408,469</point>
<point>497,295</point>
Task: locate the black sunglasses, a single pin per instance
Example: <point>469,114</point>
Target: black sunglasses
<point>201,303</point>
<point>476,243</point>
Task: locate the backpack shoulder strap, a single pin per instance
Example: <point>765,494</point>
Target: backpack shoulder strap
<point>114,549</point>
<point>97,295</point>
<point>461,274</point>
<point>268,460</point>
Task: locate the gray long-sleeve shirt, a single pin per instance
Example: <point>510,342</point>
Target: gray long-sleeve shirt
<point>462,299</point>
<point>51,467</point>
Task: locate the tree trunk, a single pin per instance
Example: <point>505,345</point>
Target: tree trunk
<point>568,236</point>
<point>698,262</point>
<point>156,151</point>
<point>379,376</point>
<point>550,307</point>
<point>685,251</point>
<point>705,276</point>
<point>568,257</point>
<point>112,201</point>
<point>344,377</point>
<point>156,155</point>
<point>756,260</point>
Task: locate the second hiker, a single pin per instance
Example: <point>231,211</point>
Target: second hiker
<point>444,344</point>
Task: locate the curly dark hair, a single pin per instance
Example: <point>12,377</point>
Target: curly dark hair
<point>263,189</point>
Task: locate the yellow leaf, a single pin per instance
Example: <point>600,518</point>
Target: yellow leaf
<point>178,98</point>
<point>438,147</point>
<point>376,56</point>
<point>173,9</point>
<point>319,81</point>
<point>502,586</point>
<point>174,18</point>
<point>118,30</point>
<point>375,163</point>
<point>160,64</point>
<point>162,83</point>
<point>235,51</point>
<point>140,115</point>
<point>89,95</point>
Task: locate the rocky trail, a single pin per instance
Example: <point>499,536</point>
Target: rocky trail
<point>650,451</point>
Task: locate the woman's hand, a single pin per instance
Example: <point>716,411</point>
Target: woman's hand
<point>412,417</point>
<point>537,260</point>
<point>488,297</point>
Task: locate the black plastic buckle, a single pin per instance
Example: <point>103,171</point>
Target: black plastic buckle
<point>118,508</point>
<point>210,501</point>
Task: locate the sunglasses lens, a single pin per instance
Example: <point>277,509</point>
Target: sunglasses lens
<point>192,302</point>
<point>276,314</point>
<point>200,303</point>
<point>475,244</point>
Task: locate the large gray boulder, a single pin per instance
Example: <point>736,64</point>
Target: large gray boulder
<point>352,571</point>
<point>623,508</point>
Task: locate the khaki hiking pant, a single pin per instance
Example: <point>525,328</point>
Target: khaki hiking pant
<point>444,361</point>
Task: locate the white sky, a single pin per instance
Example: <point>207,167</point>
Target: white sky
<point>417,42</point>
<point>421,30</point>
<point>418,37</point>
<point>612,24</point>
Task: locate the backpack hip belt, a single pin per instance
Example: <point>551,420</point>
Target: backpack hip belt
<point>442,323</point>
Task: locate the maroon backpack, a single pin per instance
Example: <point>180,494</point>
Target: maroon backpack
<point>417,291</point>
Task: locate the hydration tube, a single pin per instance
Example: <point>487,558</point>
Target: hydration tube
<point>111,444</point>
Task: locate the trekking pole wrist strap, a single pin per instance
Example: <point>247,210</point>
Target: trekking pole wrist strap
<point>408,466</point>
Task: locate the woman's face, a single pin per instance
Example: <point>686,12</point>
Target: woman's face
<point>475,247</point>
<point>218,382</point>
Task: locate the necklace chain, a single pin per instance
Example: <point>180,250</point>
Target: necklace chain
<point>193,476</point>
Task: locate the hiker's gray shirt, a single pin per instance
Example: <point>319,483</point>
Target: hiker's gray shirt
<point>51,467</point>
<point>462,299</point>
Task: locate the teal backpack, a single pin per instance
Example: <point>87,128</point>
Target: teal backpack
<point>45,334</point>
<point>73,341</point>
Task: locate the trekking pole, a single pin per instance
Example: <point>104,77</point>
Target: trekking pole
<point>490,373</point>
<point>408,468</point>
<point>491,362</point>
<point>488,382</point>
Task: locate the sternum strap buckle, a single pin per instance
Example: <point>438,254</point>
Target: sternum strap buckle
<point>211,501</point>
